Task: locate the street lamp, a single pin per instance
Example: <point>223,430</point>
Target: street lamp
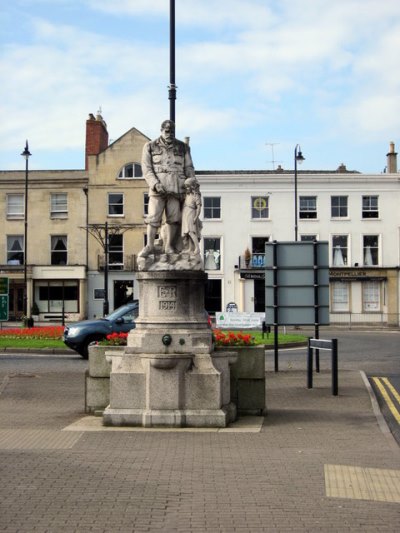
<point>26,154</point>
<point>298,158</point>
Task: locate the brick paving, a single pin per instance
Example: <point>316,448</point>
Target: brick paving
<point>121,481</point>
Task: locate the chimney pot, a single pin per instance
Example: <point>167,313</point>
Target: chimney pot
<point>391,159</point>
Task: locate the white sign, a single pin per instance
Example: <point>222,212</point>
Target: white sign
<point>239,320</point>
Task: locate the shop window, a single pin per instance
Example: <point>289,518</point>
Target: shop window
<point>340,296</point>
<point>131,170</point>
<point>54,296</point>
<point>370,207</point>
<point>371,296</point>
<point>339,206</point>
<point>59,250</point>
<point>212,207</point>
<point>259,207</point>
<point>15,206</point>
<point>15,249</point>
<point>115,204</point>
<point>308,207</point>
<point>339,250</point>
<point>59,205</point>
<point>371,250</point>
<point>212,253</point>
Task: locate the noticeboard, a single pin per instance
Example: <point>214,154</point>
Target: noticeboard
<point>297,283</point>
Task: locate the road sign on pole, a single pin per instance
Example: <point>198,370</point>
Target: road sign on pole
<point>3,307</point>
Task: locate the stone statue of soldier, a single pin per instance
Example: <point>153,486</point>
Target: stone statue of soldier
<point>166,164</point>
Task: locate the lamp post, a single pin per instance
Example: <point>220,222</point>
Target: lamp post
<point>26,154</point>
<point>298,158</point>
<point>172,87</point>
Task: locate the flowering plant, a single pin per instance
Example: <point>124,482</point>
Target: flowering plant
<point>115,339</point>
<point>230,338</point>
<point>43,332</point>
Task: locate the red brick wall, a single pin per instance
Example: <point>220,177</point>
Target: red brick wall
<point>96,137</point>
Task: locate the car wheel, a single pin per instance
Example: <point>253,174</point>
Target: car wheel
<point>84,350</point>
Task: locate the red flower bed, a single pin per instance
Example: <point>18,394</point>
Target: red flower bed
<point>45,332</point>
<point>115,339</point>
<point>229,338</point>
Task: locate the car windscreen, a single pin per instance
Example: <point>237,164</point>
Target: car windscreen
<point>125,310</point>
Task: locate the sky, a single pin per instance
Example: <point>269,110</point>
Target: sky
<point>255,79</point>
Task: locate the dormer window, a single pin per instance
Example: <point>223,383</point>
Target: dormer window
<point>130,171</point>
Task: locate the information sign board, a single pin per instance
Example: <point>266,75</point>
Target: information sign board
<point>239,320</point>
<point>3,299</point>
<point>3,307</point>
<point>297,283</point>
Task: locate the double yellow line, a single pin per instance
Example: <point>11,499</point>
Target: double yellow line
<point>388,392</point>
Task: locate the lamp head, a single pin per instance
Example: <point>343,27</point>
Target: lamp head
<point>26,153</point>
<point>299,156</point>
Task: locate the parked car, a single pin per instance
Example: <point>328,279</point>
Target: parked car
<point>78,335</point>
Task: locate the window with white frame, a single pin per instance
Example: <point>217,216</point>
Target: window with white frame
<point>131,170</point>
<point>370,207</point>
<point>115,204</point>
<point>59,253</point>
<point>15,206</point>
<point>339,207</point>
<point>15,249</point>
<point>212,207</point>
<point>308,207</point>
<point>259,207</point>
<point>116,252</point>
<point>371,295</point>
<point>371,250</point>
<point>212,253</point>
<point>339,250</point>
<point>340,296</point>
<point>59,205</point>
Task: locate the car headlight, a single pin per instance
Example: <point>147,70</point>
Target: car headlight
<point>72,332</point>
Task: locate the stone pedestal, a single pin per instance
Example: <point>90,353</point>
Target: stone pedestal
<point>168,374</point>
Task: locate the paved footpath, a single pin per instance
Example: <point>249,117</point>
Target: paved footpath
<point>317,463</point>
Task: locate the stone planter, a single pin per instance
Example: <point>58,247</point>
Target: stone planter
<point>97,379</point>
<point>248,379</point>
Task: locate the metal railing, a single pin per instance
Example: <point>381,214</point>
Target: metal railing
<point>128,262</point>
<point>255,261</point>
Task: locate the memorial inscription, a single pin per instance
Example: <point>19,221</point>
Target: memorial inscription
<point>167,291</point>
<point>167,297</point>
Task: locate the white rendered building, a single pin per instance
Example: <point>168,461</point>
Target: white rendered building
<point>357,214</point>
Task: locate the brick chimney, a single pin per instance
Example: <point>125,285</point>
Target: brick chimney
<point>96,136</point>
<point>391,166</point>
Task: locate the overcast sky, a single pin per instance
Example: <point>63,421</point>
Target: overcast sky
<point>255,78</point>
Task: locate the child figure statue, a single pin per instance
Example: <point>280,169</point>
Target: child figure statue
<point>191,223</point>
